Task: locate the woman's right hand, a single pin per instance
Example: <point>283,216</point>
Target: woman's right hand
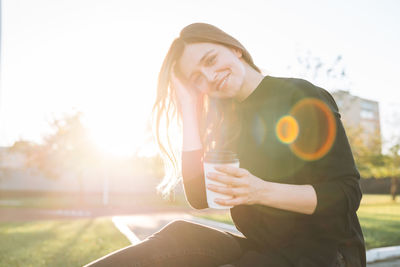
<point>187,98</point>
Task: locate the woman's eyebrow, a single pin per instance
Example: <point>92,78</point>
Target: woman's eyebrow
<point>202,59</point>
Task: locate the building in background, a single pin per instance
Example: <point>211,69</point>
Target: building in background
<point>359,112</point>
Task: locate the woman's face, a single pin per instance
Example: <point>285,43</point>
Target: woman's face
<point>212,69</point>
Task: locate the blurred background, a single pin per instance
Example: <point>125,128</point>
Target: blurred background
<point>78,81</point>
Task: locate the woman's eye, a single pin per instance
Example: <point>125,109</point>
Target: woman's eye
<point>211,60</point>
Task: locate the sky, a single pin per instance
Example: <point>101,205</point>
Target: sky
<point>102,57</point>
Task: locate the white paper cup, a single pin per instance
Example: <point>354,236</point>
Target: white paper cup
<point>209,166</point>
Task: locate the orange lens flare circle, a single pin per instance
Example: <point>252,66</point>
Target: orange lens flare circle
<point>287,129</point>
<point>317,129</point>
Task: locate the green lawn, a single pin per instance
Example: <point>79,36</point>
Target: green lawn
<point>76,242</point>
<point>58,242</point>
<point>379,218</point>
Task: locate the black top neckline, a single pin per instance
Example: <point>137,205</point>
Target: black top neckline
<point>255,95</point>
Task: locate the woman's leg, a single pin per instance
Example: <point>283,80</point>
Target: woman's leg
<point>180,243</point>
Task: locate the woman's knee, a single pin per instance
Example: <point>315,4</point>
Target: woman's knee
<point>197,235</point>
<point>177,227</point>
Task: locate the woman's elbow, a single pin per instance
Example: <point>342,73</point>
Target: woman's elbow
<point>195,196</point>
<point>197,204</point>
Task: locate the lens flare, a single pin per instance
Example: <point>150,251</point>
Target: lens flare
<point>317,129</point>
<point>287,129</point>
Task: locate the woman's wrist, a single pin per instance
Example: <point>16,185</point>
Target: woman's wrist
<point>189,111</point>
<point>191,134</point>
<point>265,195</point>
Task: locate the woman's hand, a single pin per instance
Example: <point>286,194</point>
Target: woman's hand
<point>244,187</point>
<point>187,98</point>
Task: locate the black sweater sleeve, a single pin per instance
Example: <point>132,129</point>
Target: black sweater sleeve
<point>340,192</point>
<point>337,185</point>
<point>193,178</point>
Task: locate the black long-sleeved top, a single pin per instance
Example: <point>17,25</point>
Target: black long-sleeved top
<point>313,158</point>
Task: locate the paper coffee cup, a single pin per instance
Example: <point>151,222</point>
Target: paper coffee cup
<point>212,159</point>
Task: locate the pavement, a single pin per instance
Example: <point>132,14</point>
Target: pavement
<point>386,263</point>
<point>138,227</point>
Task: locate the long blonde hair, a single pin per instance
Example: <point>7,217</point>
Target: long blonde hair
<point>213,114</point>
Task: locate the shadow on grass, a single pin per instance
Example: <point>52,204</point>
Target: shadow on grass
<point>27,243</point>
<point>18,240</point>
<point>63,251</point>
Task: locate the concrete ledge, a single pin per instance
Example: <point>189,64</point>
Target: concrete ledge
<point>379,254</point>
<point>122,226</point>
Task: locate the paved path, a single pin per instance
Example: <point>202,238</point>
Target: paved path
<point>389,263</point>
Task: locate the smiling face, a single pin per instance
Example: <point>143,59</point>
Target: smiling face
<point>212,69</point>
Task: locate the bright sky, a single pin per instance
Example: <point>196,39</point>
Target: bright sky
<point>103,56</point>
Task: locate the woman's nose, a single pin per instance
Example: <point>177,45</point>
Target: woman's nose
<point>209,74</point>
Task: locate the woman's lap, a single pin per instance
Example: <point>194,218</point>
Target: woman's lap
<point>180,243</point>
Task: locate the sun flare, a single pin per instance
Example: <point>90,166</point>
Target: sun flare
<point>119,136</point>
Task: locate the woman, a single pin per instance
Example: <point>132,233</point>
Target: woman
<point>296,192</point>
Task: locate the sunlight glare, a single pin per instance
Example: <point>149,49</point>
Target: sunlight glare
<point>118,134</point>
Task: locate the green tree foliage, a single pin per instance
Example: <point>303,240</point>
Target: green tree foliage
<point>370,160</point>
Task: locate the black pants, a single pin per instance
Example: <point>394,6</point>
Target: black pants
<point>183,243</point>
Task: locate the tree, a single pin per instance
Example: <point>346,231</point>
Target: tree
<point>391,167</point>
<point>370,160</point>
<point>14,158</point>
<point>331,73</point>
<point>67,150</point>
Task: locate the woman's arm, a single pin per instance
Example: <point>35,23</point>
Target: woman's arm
<point>192,151</point>
<point>192,164</point>
<point>248,189</point>
<point>191,136</point>
<point>329,197</point>
<point>296,198</point>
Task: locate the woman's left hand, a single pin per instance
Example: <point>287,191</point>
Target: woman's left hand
<point>240,184</point>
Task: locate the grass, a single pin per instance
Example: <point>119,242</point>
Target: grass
<point>58,242</point>
<point>75,242</point>
<point>379,218</point>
